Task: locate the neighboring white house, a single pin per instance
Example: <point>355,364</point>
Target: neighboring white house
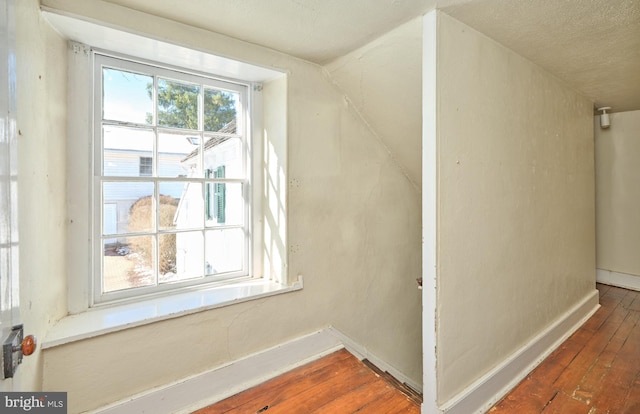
<point>129,152</point>
<point>223,206</point>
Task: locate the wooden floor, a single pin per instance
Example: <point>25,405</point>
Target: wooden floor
<point>596,371</point>
<point>336,384</point>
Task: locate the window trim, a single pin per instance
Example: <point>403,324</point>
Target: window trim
<point>101,59</point>
<point>270,245</point>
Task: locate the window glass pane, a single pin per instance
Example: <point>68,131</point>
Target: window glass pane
<point>224,250</point>
<point>127,96</point>
<point>172,192</point>
<point>168,204</point>
<point>178,155</point>
<point>177,104</point>
<point>110,219</point>
<point>128,263</point>
<point>124,150</point>
<point>220,111</point>
<point>134,207</point>
<point>224,151</point>
<point>180,205</point>
<point>224,204</point>
<point>186,251</point>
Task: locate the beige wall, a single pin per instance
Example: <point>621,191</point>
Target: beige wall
<point>41,119</point>
<point>383,80</point>
<point>353,232</point>
<point>618,193</point>
<point>515,206</point>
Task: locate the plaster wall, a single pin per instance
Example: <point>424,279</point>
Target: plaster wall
<point>618,193</point>
<point>383,80</point>
<point>41,120</point>
<point>355,243</point>
<point>515,203</point>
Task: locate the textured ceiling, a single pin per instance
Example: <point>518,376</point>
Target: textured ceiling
<point>593,45</point>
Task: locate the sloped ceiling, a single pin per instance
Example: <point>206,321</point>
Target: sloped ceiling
<point>315,30</point>
<point>593,45</point>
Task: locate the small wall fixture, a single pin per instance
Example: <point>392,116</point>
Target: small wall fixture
<point>605,122</point>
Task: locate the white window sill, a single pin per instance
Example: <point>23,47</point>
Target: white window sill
<point>101,321</point>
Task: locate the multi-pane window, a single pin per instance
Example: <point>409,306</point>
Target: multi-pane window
<point>171,179</point>
<point>146,166</point>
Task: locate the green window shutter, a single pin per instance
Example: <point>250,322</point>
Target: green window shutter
<point>208,197</point>
<point>219,202</point>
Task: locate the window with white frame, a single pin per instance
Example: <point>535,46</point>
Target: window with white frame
<point>171,204</point>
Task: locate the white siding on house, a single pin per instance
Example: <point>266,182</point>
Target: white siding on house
<point>123,194</point>
<point>224,249</point>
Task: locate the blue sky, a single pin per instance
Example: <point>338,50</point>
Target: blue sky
<point>125,96</point>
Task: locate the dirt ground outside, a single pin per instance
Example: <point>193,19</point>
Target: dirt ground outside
<point>124,271</point>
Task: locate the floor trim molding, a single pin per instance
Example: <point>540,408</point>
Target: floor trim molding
<point>623,280</point>
<point>489,389</point>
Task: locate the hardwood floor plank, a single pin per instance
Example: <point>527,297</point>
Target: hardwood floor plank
<point>398,404</point>
<point>635,305</point>
<point>389,402</point>
<point>318,395</point>
<point>632,405</point>
<point>608,302</point>
<point>553,366</point>
<point>406,408</point>
<point>530,396</point>
<point>596,371</point>
<point>571,377</point>
<point>619,379</point>
<point>280,387</point>
<point>356,399</point>
<point>592,383</point>
<point>602,288</point>
<point>338,383</point>
<point>301,396</point>
<point>563,404</point>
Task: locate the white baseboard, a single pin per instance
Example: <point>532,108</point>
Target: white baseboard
<point>201,390</point>
<point>489,389</point>
<point>623,280</point>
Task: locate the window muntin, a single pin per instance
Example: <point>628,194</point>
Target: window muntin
<point>176,172</point>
